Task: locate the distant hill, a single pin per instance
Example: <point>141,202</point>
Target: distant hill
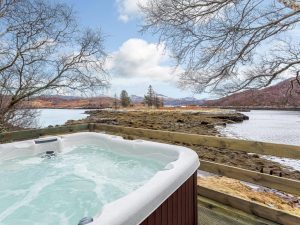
<point>136,99</point>
<point>276,96</point>
<point>70,102</point>
<point>168,101</point>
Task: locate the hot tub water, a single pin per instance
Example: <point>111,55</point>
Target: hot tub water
<point>65,188</point>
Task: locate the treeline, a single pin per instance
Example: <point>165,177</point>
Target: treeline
<point>151,99</point>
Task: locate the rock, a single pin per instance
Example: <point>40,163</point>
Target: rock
<point>107,120</point>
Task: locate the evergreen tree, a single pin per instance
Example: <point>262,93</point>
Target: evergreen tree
<point>125,100</point>
<point>149,98</point>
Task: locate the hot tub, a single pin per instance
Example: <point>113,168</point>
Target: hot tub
<point>61,179</point>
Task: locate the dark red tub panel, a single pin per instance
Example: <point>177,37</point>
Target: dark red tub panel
<point>151,220</point>
<point>164,214</point>
<point>183,198</point>
<point>195,200</point>
<point>169,203</point>
<point>179,209</point>
<point>158,216</point>
<point>179,206</point>
<point>175,209</point>
<point>145,222</point>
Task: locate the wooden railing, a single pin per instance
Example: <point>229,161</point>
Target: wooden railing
<point>280,150</point>
<point>36,133</point>
<point>271,181</point>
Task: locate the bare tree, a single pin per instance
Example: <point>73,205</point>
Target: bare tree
<point>158,102</point>
<point>227,45</point>
<point>42,49</point>
<point>115,102</point>
<point>5,5</point>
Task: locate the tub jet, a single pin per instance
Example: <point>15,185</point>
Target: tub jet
<point>49,154</point>
<point>85,220</point>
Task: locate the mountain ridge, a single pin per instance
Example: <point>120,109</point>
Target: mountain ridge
<point>276,96</point>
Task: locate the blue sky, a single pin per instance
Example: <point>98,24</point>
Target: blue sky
<point>104,14</point>
<point>135,59</point>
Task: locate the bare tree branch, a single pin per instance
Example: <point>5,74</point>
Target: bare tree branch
<point>43,49</point>
<point>223,44</point>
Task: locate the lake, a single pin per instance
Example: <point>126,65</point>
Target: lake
<point>274,126</point>
<point>54,117</point>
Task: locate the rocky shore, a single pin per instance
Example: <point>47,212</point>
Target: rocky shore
<point>189,121</point>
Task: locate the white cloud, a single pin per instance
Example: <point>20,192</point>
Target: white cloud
<point>129,9</point>
<point>137,64</point>
<point>141,60</point>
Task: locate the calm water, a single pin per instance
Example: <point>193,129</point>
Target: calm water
<point>269,126</point>
<point>59,116</point>
<point>64,189</point>
<point>273,126</point>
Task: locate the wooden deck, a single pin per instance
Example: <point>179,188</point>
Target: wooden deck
<point>213,213</point>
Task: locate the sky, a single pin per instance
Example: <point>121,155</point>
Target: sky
<point>135,60</point>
